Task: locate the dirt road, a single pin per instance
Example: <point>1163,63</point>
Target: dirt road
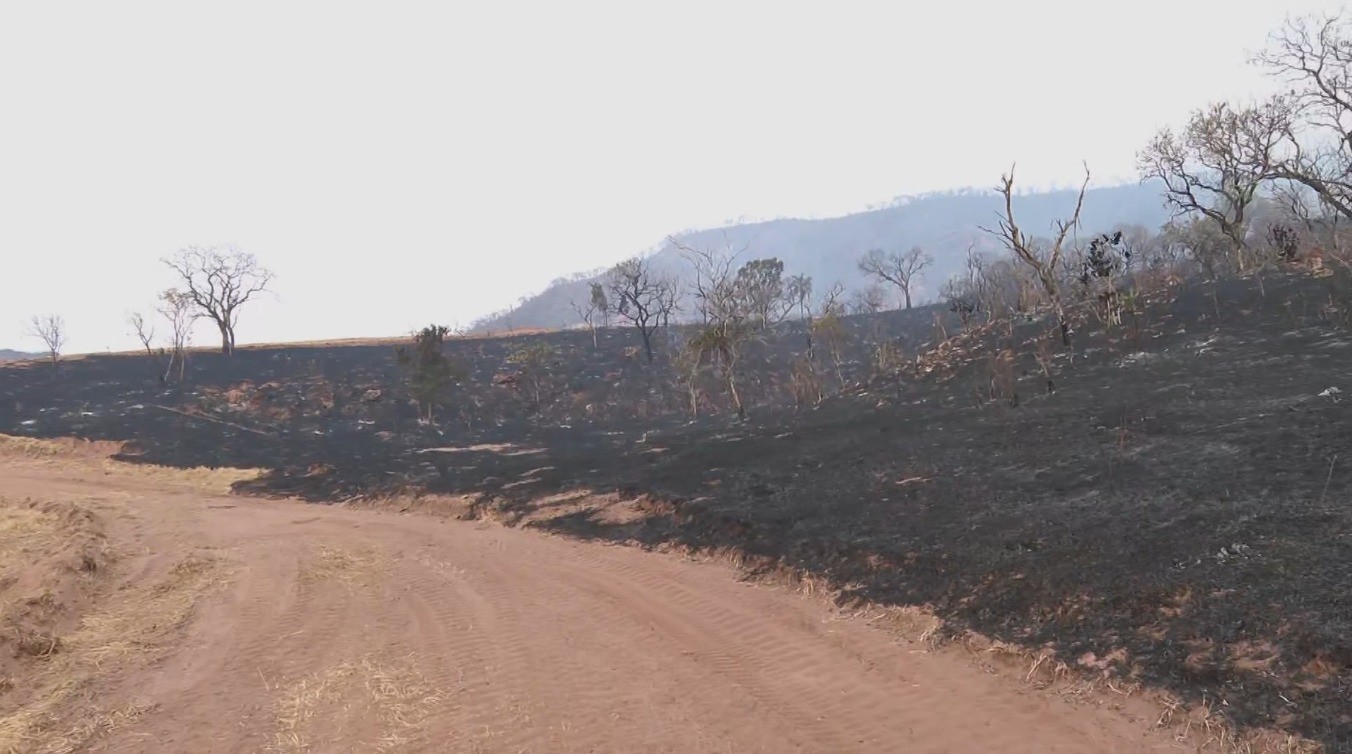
<point>226,624</point>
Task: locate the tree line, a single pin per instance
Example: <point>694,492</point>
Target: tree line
<point>1251,185</point>
<point>214,283</point>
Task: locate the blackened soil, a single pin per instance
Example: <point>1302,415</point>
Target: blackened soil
<point>1178,511</point>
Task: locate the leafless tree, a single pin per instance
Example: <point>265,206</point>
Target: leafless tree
<point>158,355</point>
<point>1217,164</point>
<point>1322,224</point>
<point>640,296</point>
<point>899,268</point>
<point>832,301</point>
<point>1044,261</point>
<point>51,330</point>
<point>669,302</point>
<point>219,281</point>
<point>733,308</point>
<point>1313,54</point>
<point>712,282</point>
<point>180,311</point>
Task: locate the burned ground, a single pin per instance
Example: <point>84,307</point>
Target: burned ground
<point>1176,512</point>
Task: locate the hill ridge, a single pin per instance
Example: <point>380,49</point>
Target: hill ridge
<point>945,223</point>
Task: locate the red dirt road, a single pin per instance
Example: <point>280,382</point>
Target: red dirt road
<point>323,629</point>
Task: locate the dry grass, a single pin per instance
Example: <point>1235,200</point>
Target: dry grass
<point>46,549</point>
<point>24,528</point>
<point>361,567</point>
<point>99,455</point>
<point>60,716</point>
<point>1204,723</point>
<point>141,621</point>
<point>380,706</point>
<point>28,446</point>
<point>30,529</point>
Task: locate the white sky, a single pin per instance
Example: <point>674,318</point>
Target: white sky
<point>397,163</point>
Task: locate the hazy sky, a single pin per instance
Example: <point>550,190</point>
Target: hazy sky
<point>397,163</point>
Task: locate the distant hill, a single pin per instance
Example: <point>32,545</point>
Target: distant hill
<point>944,224</point>
<point>8,355</point>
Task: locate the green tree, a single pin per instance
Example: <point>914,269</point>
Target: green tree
<point>760,292</point>
<point>430,372</point>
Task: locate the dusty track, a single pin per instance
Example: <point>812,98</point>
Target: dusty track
<point>326,629</point>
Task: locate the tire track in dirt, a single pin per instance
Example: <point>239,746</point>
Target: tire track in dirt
<point>458,631</point>
<point>792,676</point>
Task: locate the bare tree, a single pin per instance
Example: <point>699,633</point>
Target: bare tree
<point>832,300</point>
<point>711,287</point>
<point>1044,262</point>
<point>899,268</point>
<point>158,355</point>
<point>1313,54</point>
<point>51,330</point>
<point>180,311</point>
<point>1323,225</point>
<point>669,302</point>
<point>219,281</point>
<point>642,297</point>
<point>595,312</point>
<point>733,308</point>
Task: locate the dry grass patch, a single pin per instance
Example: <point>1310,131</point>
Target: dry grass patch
<point>62,711</point>
<point>50,553</point>
<point>33,529</point>
<point>360,705</point>
<point>351,567</point>
<point>141,622</point>
<point>219,481</point>
<point>24,528</point>
<point>27,446</point>
<point>98,455</point>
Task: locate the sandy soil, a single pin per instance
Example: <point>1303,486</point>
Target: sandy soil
<point>190,620</point>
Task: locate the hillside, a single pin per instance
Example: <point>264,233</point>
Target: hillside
<point>8,355</point>
<point>1172,516</point>
<point>945,224</point>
